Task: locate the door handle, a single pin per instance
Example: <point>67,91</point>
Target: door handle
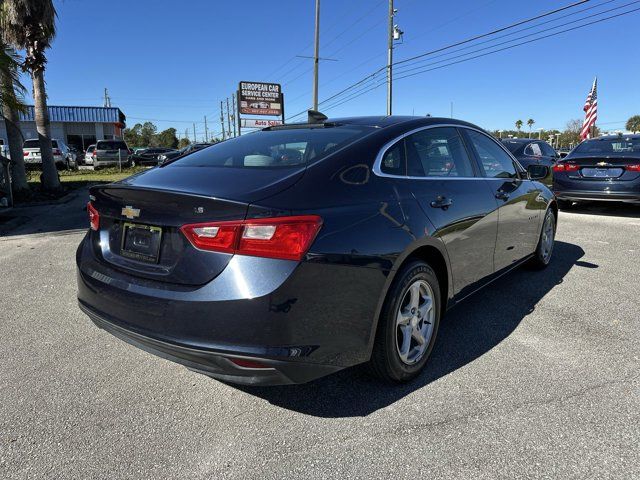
<point>442,202</point>
<point>502,195</point>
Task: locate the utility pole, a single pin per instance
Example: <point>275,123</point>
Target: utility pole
<point>390,60</point>
<point>107,98</point>
<point>228,120</point>
<point>233,100</point>
<point>206,131</point>
<point>224,136</point>
<point>195,139</point>
<point>316,55</point>
<point>186,134</point>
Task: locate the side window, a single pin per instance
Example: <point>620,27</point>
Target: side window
<point>437,152</point>
<point>495,161</point>
<point>548,150</point>
<point>535,149</point>
<point>393,160</point>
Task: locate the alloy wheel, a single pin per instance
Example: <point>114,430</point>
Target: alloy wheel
<point>414,322</point>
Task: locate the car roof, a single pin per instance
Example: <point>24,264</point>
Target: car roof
<point>634,136</point>
<point>387,121</point>
<point>521,140</point>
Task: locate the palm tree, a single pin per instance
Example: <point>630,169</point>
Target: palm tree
<point>11,92</point>
<point>633,124</point>
<point>519,125</point>
<point>29,25</point>
<point>530,122</point>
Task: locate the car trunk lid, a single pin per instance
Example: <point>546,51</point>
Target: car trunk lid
<point>604,168</point>
<point>140,218</point>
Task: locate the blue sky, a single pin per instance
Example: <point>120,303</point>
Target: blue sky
<point>172,62</point>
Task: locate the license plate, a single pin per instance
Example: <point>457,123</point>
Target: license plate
<point>141,242</point>
<point>601,172</point>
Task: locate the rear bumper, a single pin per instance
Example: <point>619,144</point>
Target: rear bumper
<point>582,195</point>
<point>213,363</point>
<point>304,320</point>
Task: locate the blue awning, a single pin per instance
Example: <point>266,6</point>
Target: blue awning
<point>78,114</point>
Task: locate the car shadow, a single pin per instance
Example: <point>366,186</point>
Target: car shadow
<point>468,331</point>
<point>613,209</point>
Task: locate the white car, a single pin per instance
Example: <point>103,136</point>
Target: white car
<point>88,156</point>
<point>32,156</point>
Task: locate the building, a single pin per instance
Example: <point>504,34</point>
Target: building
<point>77,126</point>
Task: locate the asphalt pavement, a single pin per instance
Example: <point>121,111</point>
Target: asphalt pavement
<point>537,376</point>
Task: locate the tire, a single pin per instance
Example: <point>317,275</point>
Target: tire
<point>544,249</point>
<point>395,359</point>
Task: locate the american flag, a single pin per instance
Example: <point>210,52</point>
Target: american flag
<point>591,111</point>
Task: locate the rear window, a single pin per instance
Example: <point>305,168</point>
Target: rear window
<point>275,148</point>
<point>111,145</point>
<point>91,148</point>
<point>36,144</point>
<point>610,146</point>
<point>512,146</point>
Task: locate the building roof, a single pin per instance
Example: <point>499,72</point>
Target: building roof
<point>78,114</point>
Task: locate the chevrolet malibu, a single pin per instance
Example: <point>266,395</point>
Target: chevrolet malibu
<point>602,169</point>
<point>299,250</point>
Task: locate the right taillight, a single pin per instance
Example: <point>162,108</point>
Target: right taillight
<point>94,217</point>
<point>278,237</point>
<point>565,167</point>
<point>93,154</point>
<point>633,168</point>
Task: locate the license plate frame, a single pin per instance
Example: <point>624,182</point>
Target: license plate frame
<point>602,172</point>
<point>147,255</point>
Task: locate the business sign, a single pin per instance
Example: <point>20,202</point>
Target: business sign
<point>257,98</point>
<point>259,123</point>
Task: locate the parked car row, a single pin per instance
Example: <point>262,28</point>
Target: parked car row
<point>104,153</point>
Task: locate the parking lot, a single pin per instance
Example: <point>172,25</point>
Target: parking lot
<point>535,376</point>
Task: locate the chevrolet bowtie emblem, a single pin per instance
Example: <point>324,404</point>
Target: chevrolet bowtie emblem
<point>130,212</point>
<point>602,164</point>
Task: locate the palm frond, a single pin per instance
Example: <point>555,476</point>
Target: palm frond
<point>11,90</point>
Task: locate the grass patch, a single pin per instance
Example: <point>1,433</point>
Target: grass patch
<point>70,180</point>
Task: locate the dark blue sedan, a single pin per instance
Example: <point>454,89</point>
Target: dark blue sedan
<point>299,250</point>
<point>602,169</point>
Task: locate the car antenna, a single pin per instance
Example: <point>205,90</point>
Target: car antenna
<point>313,116</point>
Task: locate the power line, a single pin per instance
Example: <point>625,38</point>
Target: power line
<point>369,79</point>
<point>369,86</point>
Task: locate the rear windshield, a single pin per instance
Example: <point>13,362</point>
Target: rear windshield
<point>111,145</point>
<point>610,146</point>
<point>512,146</point>
<point>275,148</point>
<point>36,144</point>
<point>91,148</point>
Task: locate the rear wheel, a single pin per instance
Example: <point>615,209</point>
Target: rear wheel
<point>408,324</point>
<point>544,250</point>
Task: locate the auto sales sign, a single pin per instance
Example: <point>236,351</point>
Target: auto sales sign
<point>257,98</point>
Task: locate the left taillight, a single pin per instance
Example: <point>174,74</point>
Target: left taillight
<point>94,217</point>
<point>286,238</point>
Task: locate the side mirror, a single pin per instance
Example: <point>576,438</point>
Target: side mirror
<point>537,172</point>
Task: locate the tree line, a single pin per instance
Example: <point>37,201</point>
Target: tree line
<point>28,26</point>
<point>146,135</point>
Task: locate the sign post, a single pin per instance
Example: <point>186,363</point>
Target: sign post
<point>259,98</point>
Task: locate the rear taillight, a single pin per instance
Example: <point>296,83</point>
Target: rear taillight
<point>280,237</point>
<point>565,167</point>
<point>56,151</point>
<point>94,154</point>
<point>633,168</point>
<point>94,217</point>
<point>26,154</point>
